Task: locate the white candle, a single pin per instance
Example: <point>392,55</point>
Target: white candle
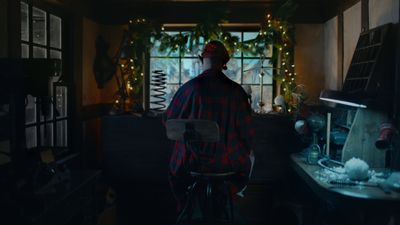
<point>328,133</point>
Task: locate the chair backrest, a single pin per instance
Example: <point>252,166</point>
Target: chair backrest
<point>192,130</point>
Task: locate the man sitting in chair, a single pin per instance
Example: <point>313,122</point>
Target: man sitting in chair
<point>213,96</point>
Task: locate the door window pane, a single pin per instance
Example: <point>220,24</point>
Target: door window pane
<point>62,135</point>
<point>46,109</point>
<point>55,31</point>
<point>39,52</point>
<point>24,51</point>
<point>30,109</point>
<point>39,26</point>
<point>24,22</point>
<point>34,32</point>
<point>55,54</point>
<point>61,101</point>
<point>46,134</point>
<point>30,134</point>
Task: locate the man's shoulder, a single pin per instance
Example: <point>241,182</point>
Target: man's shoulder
<point>233,85</point>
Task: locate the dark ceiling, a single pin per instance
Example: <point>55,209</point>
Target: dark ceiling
<point>192,11</point>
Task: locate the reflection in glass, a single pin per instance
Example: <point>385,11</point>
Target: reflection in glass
<point>170,66</point>
<point>30,133</point>
<point>190,69</point>
<point>234,71</point>
<point>24,51</point>
<point>61,101</point>
<point>46,134</point>
<point>251,71</point>
<point>30,109</point>
<point>39,52</point>
<point>24,22</point>
<point>39,26</point>
<point>267,97</point>
<point>62,135</point>
<point>55,31</point>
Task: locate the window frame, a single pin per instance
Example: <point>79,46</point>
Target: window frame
<point>41,122</point>
<point>242,57</point>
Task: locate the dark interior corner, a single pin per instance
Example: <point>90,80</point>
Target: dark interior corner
<point>85,86</point>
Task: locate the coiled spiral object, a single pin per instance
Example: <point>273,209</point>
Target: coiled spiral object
<point>158,84</point>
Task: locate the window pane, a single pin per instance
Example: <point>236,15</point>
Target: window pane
<point>248,36</point>
<point>30,135</point>
<point>55,31</point>
<point>46,109</point>
<point>24,51</point>
<point>55,54</point>
<point>158,98</point>
<point>251,71</point>
<point>190,69</point>
<point>24,22</point>
<point>196,48</point>
<point>234,70</point>
<point>39,52</point>
<point>154,51</point>
<point>30,109</point>
<point>46,134</point>
<point>171,90</point>
<point>61,101</point>
<point>239,35</point>
<point>169,66</point>
<point>62,135</point>
<point>39,26</point>
<point>267,97</point>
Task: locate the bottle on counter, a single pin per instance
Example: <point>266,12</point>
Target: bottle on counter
<point>314,151</point>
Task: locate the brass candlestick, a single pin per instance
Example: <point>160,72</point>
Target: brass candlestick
<point>261,104</point>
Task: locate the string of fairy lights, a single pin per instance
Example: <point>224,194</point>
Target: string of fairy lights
<point>141,36</point>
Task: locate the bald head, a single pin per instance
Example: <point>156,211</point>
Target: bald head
<point>215,56</point>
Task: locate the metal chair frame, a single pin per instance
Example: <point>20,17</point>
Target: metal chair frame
<point>192,131</point>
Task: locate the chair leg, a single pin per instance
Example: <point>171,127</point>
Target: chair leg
<point>230,202</point>
<point>187,204</point>
<point>209,211</point>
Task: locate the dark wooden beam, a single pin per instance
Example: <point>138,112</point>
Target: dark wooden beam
<point>184,12</point>
<point>364,15</point>
<point>14,29</point>
<point>340,50</point>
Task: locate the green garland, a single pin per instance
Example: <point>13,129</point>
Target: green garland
<point>275,31</point>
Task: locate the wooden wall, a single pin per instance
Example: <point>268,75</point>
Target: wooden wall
<point>348,25</point>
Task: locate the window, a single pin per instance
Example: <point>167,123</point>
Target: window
<point>242,68</point>
<point>41,34</point>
